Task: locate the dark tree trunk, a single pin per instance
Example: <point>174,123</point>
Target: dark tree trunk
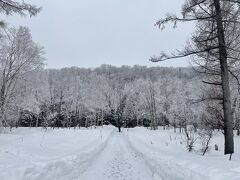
<point>37,120</point>
<point>119,124</point>
<point>228,118</point>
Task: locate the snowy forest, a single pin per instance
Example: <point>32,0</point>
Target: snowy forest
<point>170,122</point>
<point>121,96</point>
<point>126,96</point>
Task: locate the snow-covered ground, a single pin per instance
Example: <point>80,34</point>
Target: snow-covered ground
<point>165,151</point>
<point>119,162</point>
<point>28,154</point>
<point>105,154</point>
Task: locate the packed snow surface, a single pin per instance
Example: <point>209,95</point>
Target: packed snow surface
<point>105,154</point>
<point>118,162</point>
<point>165,151</point>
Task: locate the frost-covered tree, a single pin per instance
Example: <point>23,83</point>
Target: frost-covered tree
<point>19,54</point>
<point>10,7</point>
<point>75,97</point>
<point>214,43</point>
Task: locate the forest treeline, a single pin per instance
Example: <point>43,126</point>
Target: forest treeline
<point>123,96</point>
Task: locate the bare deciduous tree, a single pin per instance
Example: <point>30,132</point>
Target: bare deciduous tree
<point>18,54</point>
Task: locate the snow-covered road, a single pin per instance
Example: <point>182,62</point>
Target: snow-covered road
<point>105,154</point>
<point>118,162</point>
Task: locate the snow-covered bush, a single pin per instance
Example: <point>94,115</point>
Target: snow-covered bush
<point>205,136</point>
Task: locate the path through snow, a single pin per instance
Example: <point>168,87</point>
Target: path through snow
<point>118,162</point>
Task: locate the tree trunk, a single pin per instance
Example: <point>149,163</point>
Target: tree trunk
<point>228,118</point>
<point>37,120</point>
<point>2,102</point>
<point>102,118</point>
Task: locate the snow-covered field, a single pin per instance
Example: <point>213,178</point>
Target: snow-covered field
<point>105,154</point>
<point>165,152</point>
<point>27,154</point>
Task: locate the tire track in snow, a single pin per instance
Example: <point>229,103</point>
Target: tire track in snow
<point>67,168</point>
<point>118,162</point>
<point>165,170</point>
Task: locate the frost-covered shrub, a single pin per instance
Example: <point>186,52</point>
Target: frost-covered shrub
<point>190,138</point>
<point>205,136</point>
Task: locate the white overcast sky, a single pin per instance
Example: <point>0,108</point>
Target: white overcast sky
<point>88,33</point>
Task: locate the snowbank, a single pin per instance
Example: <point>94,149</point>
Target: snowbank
<point>33,153</point>
<point>165,153</point>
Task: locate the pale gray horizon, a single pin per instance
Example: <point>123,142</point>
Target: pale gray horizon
<point>88,33</point>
